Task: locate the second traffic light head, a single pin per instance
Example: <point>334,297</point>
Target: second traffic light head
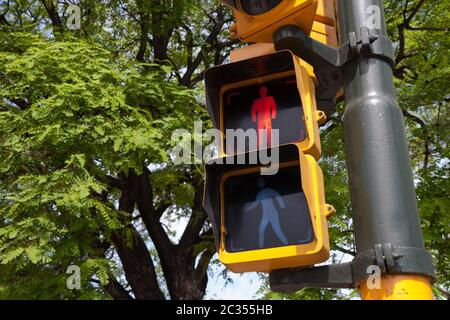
<point>267,222</point>
<point>257,20</point>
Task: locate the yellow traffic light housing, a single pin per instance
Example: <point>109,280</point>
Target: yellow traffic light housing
<point>232,91</point>
<point>266,222</point>
<point>290,229</point>
<point>323,30</point>
<point>326,13</point>
<point>257,20</point>
<point>256,234</point>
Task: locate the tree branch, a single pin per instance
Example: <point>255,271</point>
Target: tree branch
<point>443,292</point>
<point>427,137</point>
<point>428,29</point>
<point>136,260</point>
<point>204,261</point>
<point>3,15</point>
<point>346,251</point>
<point>217,28</point>
<point>195,224</point>
<point>406,25</point>
<point>117,291</point>
<point>145,28</point>
<point>52,11</point>
<point>144,199</point>
<point>162,32</point>
<point>414,12</point>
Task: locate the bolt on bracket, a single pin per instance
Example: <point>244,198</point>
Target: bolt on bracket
<point>390,259</point>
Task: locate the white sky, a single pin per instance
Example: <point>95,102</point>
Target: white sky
<point>243,287</point>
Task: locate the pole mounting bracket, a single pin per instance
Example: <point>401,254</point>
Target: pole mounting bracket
<point>328,61</point>
<point>390,260</point>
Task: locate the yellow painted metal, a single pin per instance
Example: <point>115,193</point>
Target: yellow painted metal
<point>261,49</point>
<point>319,32</point>
<point>261,28</point>
<point>325,34</point>
<point>305,85</point>
<point>266,260</point>
<point>316,18</point>
<point>399,287</point>
<point>251,51</point>
<point>326,13</point>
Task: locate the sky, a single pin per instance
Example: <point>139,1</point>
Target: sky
<point>243,286</point>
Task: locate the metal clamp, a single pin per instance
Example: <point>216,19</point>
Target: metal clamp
<point>390,260</point>
<point>393,260</point>
<point>328,61</point>
<point>367,45</point>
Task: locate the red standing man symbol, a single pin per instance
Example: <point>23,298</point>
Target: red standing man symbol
<point>264,109</point>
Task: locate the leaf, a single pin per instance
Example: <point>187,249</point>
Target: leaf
<point>11,255</point>
<point>34,254</point>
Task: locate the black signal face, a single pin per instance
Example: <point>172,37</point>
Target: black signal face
<point>264,108</point>
<point>264,212</point>
<point>258,7</point>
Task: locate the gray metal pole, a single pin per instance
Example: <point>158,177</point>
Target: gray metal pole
<point>382,189</point>
<point>384,207</point>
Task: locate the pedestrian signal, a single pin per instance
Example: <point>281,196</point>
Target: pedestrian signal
<point>261,95</point>
<point>265,211</point>
<point>267,222</point>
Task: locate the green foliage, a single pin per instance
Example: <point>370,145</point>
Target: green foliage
<point>423,94</point>
<point>77,110</point>
<point>70,117</point>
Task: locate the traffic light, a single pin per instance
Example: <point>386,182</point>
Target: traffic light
<point>265,222</point>
<point>323,30</point>
<point>257,20</point>
<point>233,91</point>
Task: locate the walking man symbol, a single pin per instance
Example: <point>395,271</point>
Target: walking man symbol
<point>266,197</point>
<point>264,110</point>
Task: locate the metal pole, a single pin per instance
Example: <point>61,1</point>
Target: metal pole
<point>382,189</point>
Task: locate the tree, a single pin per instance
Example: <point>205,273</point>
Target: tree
<point>86,120</point>
<point>92,128</point>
